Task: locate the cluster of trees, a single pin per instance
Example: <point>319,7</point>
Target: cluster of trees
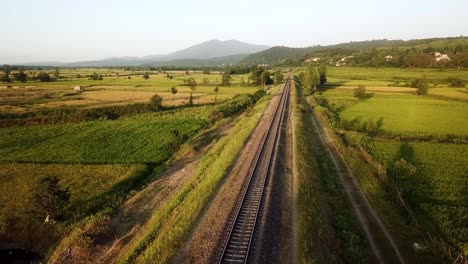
<point>421,85</point>
<point>313,77</point>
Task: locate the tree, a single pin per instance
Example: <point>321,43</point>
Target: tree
<point>322,74</point>
<point>311,78</point>
<point>146,76</point>
<point>57,73</point>
<point>216,90</point>
<point>44,77</point>
<point>156,102</point>
<point>50,197</point>
<point>6,74</point>
<point>206,71</point>
<point>21,76</point>
<point>192,84</point>
<point>265,78</point>
<point>360,92</point>
<point>256,75</point>
<point>226,79</point>
<point>421,85</point>
<point>173,91</point>
<point>401,171</point>
<point>278,77</point>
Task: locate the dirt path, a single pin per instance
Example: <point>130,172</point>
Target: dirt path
<point>126,222</point>
<point>206,242</point>
<point>371,223</point>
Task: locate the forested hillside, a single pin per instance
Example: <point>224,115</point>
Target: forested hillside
<point>434,52</point>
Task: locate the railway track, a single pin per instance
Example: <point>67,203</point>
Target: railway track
<point>237,246</point>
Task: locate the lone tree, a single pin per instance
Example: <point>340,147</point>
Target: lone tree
<point>50,197</point>
<point>278,77</point>
<point>311,78</point>
<point>56,73</point>
<point>173,91</point>
<point>322,74</point>
<point>192,84</point>
<point>226,79</point>
<point>401,171</point>
<point>146,76</point>
<point>156,102</point>
<point>360,92</point>
<point>421,85</point>
<point>265,78</point>
<point>216,90</point>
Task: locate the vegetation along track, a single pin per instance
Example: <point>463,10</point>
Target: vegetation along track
<point>237,246</point>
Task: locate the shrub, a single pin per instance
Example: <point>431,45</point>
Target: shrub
<point>156,102</point>
<point>421,84</point>
<point>360,92</point>
<point>456,82</point>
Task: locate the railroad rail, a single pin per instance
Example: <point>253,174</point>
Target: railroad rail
<point>237,246</point>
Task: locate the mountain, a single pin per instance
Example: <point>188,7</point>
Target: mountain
<point>209,53</point>
<point>216,48</point>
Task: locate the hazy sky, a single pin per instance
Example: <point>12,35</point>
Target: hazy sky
<point>70,30</point>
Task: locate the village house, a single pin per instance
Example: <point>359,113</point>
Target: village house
<point>315,59</point>
<point>441,57</point>
<point>79,88</point>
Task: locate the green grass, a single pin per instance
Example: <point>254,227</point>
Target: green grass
<point>405,113</point>
<point>384,76</point>
<point>92,188</point>
<point>139,139</point>
<point>438,189</point>
<point>169,226</point>
<point>326,229</point>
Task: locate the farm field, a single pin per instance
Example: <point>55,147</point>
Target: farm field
<point>385,76</point>
<point>100,160</point>
<point>438,189</point>
<point>116,89</point>
<point>403,112</point>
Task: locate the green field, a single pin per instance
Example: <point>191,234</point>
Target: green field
<point>100,160</point>
<point>438,189</point>
<point>114,89</point>
<point>437,192</point>
<point>384,76</point>
<point>141,138</point>
<point>404,113</point>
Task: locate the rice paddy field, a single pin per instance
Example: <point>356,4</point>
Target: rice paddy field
<point>403,111</point>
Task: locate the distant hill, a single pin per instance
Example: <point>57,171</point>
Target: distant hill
<point>215,49</point>
<point>209,53</point>
<point>373,53</point>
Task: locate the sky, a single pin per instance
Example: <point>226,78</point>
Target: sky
<point>70,30</point>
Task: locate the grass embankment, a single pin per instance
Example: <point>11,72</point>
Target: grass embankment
<point>325,228</point>
<point>170,224</point>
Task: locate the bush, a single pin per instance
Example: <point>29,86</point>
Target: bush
<point>421,84</point>
<point>360,92</point>
<point>456,82</point>
<point>44,77</point>
<point>259,94</point>
<point>156,102</point>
